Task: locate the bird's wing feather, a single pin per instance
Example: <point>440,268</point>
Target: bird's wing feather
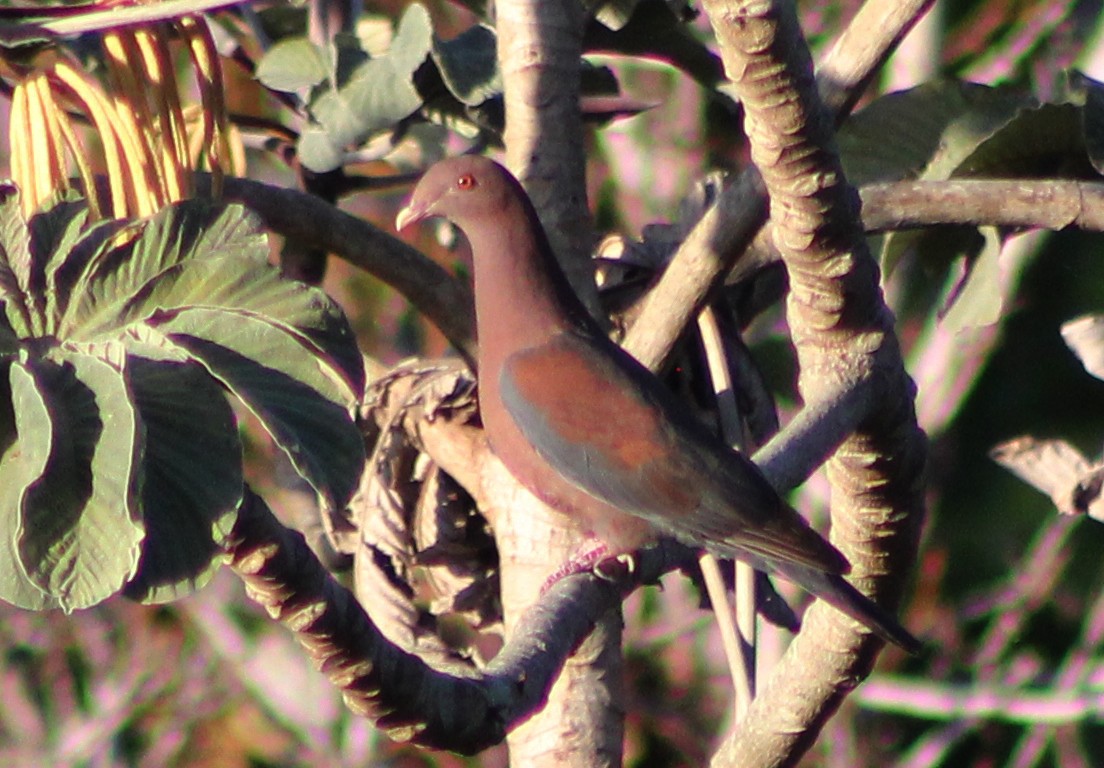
<point>609,428</point>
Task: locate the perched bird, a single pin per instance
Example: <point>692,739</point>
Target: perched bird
<point>588,429</point>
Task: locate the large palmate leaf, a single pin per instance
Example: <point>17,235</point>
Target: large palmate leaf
<point>120,462</point>
<point>15,266</point>
<point>74,528</point>
<point>314,432</point>
<point>193,476</point>
<point>121,269</point>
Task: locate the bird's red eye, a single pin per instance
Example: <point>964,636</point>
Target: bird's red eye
<point>467,181</point>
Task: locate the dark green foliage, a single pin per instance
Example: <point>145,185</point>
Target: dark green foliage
<point>121,462</point>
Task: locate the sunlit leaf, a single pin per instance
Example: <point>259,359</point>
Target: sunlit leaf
<point>372,96</point>
<point>24,462</point>
<point>81,527</point>
<point>234,284</point>
<point>469,65</point>
<point>291,65</point>
<point>187,232</point>
<point>978,301</point>
<point>15,263</point>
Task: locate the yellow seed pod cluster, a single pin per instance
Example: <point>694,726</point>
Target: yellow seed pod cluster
<point>149,145</point>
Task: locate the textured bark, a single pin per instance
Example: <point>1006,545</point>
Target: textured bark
<point>446,707</point>
<point>539,49</point>
<point>844,335</point>
<point>540,45</point>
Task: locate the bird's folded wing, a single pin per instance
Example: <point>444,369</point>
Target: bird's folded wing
<point>608,427</point>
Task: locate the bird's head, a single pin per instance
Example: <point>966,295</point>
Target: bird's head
<point>462,190</point>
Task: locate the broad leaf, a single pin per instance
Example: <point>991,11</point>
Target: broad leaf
<point>259,289</point>
<point>15,263</point>
<point>292,65</point>
<point>80,523</point>
<point>147,323</point>
<point>950,129</point>
<point>188,232</point>
<point>977,297</point>
<point>469,65</point>
<point>23,463</point>
<point>67,265</point>
<point>935,127</point>
<point>53,233</point>
<point>317,433</point>
<point>193,477</point>
<point>372,94</point>
<point>274,343</point>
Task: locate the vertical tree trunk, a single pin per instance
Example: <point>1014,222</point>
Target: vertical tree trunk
<point>540,45</point>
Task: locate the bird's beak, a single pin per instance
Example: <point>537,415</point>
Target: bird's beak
<point>411,213</point>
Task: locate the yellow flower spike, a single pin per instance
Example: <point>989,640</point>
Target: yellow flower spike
<point>56,174</point>
<point>20,151</point>
<point>237,151</point>
<point>151,42</point>
<point>84,170</point>
<point>116,152</point>
<point>209,78</point>
<point>135,121</point>
<point>38,154</point>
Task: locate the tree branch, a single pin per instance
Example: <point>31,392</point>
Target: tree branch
<point>843,333</point>
<point>539,50</point>
<point>456,709</point>
<point>446,301</point>
<point>722,236</point>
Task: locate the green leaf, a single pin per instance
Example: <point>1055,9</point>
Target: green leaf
<point>288,394</point>
<point>935,127</point>
<point>379,96</point>
<point>1089,94</point>
<point>71,260</point>
<point>53,233</point>
<point>193,477</point>
<point>188,232</point>
<point>469,65</point>
<point>413,39</point>
<point>1040,141</point>
<point>951,129</point>
<point>271,343</point>
<point>15,263</point>
<point>292,65</point>
<point>375,95</point>
<point>256,289</point>
<point>24,411</point>
<point>977,301</point>
<point>317,151</point>
<point>81,531</point>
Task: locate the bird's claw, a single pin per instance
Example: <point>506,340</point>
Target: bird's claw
<point>594,559</point>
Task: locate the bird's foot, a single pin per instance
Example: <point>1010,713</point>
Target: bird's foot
<point>594,557</point>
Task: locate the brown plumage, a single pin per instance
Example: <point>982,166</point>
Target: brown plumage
<point>588,429</point>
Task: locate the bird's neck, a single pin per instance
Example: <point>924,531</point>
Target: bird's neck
<point>522,297</point>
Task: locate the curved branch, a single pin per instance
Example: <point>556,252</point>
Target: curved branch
<point>446,301</point>
<point>454,709</point>
<point>723,234</point>
<point>843,333</point>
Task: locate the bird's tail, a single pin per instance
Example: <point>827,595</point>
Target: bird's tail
<point>840,594</point>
